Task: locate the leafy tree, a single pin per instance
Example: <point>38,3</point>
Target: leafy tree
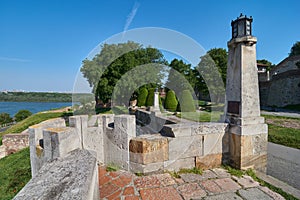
<point>171,101</point>
<point>295,50</point>
<point>150,97</point>
<point>115,60</point>
<point>142,96</point>
<point>181,76</point>
<point>187,102</point>
<point>5,118</point>
<point>22,114</point>
<point>212,68</point>
<point>266,62</point>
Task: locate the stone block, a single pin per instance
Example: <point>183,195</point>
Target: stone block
<point>246,181</point>
<point>254,193</point>
<point>92,139</point>
<point>176,130</point>
<point>209,128</point>
<point>226,196</point>
<point>215,143</point>
<point>148,149</point>
<point>72,177</point>
<point>176,165</point>
<point>209,161</point>
<point>185,147</point>
<point>191,191</point>
<point>148,168</point>
<point>58,142</point>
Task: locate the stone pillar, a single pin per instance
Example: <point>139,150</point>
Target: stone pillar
<point>248,132</point>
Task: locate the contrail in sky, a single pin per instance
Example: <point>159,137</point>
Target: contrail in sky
<point>131,16</point>
<point>14,59</point>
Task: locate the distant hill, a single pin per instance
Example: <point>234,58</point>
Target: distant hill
<point>35,97</point>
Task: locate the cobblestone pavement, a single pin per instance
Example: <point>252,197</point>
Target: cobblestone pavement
<point>211,185</point>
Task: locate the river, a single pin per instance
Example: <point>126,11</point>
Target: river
<point>13,107</point>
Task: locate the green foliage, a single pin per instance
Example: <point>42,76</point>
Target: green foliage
<point>181,76</point>
<point>35,97</point>
<point>142,97</point>
<point>5,118</point>
<point>112,167</point>
<point>202,116</point>
<point>194,170</point>
<point>150,97</point>
<point>22,114</point>
<point>187,102</point>
<point>213,70</point>
<point>32,120</point>
<point>171,101</point>
<point>295,50</point>
<point>266,62</point>
<point>15,173</point>
<point>113,62</point>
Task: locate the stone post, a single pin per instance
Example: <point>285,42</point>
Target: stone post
<point>248,132</point>
<point>156,102</point>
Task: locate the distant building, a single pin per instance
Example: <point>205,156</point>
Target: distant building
<point>281,86</point>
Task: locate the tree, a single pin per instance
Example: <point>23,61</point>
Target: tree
<point>181,76</point>
<point>115,60</point>
<point>295,50</point>
<point>142,96</point>
<point>187,102</point>
<point>5,118</point>
<point>266,62</point>
<point>171,101</point>
<point>22,114</point>
<point>150,97</point>
<point>213,69</point>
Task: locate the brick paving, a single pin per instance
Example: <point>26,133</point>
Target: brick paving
<point>212,184</point>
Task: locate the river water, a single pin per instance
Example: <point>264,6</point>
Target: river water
<point>13,107</point>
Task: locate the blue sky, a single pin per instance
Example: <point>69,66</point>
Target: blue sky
<point>42,43</point>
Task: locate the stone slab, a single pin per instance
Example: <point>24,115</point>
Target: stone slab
<point>226,196</point>
<point>254,193</point>
<point>191,191</point>
<point>72,177</point>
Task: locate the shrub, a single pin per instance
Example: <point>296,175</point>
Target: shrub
<point>142,97</point>
<point>5,118</point>
<point>187,102</point>
<point>150,97</point>
<point>171,101</point>
<point>22,114</point>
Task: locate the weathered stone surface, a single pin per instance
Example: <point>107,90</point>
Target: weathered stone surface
<point>227,184</point>
<point>272,194</point>
<point>209,161</point>
<point>191,191</point>
<point>254,193</point>
<point>185,147</point>
<point>221,173</point>
<point>72,177</point>
<point>180,163</point>
<point>158,193</point>
<point>149,149</point>
<point>246,181</point>
<point>92,139</point>
<point>58,142</point>
<point>15,142</point>
<point>141,168</point>
<point>226,196</point>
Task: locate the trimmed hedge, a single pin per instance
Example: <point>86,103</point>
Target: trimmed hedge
<point>142,97</point>
<point>171,101</point>
<point>187,102</point>
<point>150,97</point>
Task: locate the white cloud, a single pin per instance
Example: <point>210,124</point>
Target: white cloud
<point>131,16</point>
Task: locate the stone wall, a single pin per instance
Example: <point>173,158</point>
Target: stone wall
<point>282,90</point>
<point>14,142</point>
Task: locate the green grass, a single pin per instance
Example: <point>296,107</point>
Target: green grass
<point>285,136</point>
<point>281,135</point>
<point>194,170</point>
<point>250,172</point>
<point>202,116</point>
<point>111,167</point>
<point>15,172</point>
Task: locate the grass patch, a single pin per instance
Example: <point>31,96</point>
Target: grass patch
<point>15,173</point>
<point>285,136</point>
<point>282,135</point>
<point>202,116</point>
<point>250,172</point>
<point>194,170</point>
<point>111,167</point>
